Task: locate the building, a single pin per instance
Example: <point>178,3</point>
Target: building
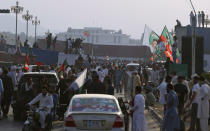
<point>99,36</point>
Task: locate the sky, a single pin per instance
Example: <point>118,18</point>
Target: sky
<point>128,15</point>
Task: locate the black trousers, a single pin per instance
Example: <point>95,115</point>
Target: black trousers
<point>5,105</point>
<point>195,122</point>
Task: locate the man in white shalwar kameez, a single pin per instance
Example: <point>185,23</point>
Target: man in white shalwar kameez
<point>203,105</point>
<point>139,121</point>
<point>45,105</point>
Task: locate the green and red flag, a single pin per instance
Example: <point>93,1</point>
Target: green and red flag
<point>167,39</point>
<point>63,66</point>
<point>86,33</point>
<point>153,39</point>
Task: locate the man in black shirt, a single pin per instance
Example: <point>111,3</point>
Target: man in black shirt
<point>182,93</point>
<point>8,92</point>
<point>96,86</point>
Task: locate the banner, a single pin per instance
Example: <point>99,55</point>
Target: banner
<point>79,82</point>
<point>180,69</point>
<point>150,38</point>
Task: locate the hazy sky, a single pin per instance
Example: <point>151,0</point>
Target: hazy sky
<point>128,15</point>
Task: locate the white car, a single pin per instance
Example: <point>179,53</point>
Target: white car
<point>88,112</point>
<point>132,67</point>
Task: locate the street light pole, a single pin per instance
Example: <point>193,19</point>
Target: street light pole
<point>193,40</point>
<point>35,22</point>
<point>27,17</point>
<point>17,9</point>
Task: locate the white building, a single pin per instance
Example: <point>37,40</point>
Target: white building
<point>99,36</point>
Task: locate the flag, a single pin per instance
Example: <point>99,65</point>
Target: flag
<point>150,38</point>
<point>86,33</point>
<point>39,64</point>
<point>166,37</point>
<point>79,82</point>
<point>26,67</point>
<point>63,66</point>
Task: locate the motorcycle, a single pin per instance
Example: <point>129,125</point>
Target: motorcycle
<point>32,122</point>
<point>61,109</point>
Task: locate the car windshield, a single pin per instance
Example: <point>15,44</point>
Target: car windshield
<point>132,68</point>
<point>94,105</point>
<point>37,78</point>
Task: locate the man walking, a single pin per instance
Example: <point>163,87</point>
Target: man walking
<point>163,91</point>
<point>139,122</point>
<point>171,120</point>
<point>12,75</point>
<point>8,90</point>
<point>195,123</point>
<point>1,94</point>
<point>117,79</point>
<point>203,106</point>
<point>182,93</point>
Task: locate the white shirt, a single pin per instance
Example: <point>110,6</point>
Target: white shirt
<point>12,74</point>
<point>139,103</point>
<point>69,44</point>
<point>174,79</point>
<point>1,87</point>
<point>203,91</point>
<point>139,121</point>
<point>203,105</point>
<point>20,74</point>
<point>155,76</point>
<point>106,71</point>
<point>163,92</point>
<point>28,87</point>
<point>44,101</point>
<point>195,89</point>
<point>101,76</point>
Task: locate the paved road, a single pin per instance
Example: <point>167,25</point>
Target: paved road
<point>7,124</point>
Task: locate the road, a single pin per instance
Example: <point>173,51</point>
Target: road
<point>8,124</point>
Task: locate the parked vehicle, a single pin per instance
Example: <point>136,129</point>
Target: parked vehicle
<point>22,97</point>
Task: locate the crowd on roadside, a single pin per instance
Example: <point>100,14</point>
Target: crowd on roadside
<point>180,98</point>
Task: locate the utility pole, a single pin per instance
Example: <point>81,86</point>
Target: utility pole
<point>35,22</point>
<point>17,10</point>
<point>193,40</point>
<point>27,17</point>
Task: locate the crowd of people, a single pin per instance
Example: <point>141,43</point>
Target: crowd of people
<point>178,97</point>
<point>200,20</point>
<point>142,86</point>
